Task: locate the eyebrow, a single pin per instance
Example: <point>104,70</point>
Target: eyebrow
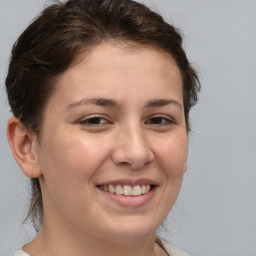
<point>105,102</point>
<point>95,101</point>
<point>162,102</point>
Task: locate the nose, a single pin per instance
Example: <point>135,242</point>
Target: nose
<point>132,148</point>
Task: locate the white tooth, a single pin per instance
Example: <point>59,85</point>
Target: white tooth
<point>127,190</point>
<point>119,190</point>
<point>143,189</point>
<point>136,191</point>
<point>147,188</point>
<point>111,189</point>
<point>105,188</point>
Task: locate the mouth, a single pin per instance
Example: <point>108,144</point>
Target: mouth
<point>126,190</point>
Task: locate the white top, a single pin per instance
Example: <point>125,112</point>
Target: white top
<point>20,253</point>
<point>169,247</point>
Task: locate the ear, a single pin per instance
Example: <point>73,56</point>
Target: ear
<point>23,145</point>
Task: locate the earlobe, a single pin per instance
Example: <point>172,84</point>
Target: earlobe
<point>23,146</point>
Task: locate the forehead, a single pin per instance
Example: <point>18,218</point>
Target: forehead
<point>129,50</point>
<point>112,57</point>
<point>120,68</point>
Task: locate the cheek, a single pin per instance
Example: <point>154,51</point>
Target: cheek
<point>68,164</point>
<point>68,159</point>
<point>172,155</point>
<point>69,147</point>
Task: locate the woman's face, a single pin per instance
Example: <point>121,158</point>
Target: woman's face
<point>114,144</point>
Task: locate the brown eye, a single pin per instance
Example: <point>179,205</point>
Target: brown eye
<point>94,120</point>
<point>159,120</point>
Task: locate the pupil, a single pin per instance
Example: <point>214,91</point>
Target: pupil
<point>156,120</point>
<point>95,120</point>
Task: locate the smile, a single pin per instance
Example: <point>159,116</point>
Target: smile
<point>126,190</point>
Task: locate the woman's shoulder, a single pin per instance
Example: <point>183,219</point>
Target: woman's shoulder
<point>170,248</point>
<point>20,253</point>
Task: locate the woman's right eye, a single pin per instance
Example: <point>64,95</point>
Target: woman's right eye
<point>94,121</point>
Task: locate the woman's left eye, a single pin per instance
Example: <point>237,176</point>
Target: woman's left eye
<point>159,120</point>
<point>94,120</point>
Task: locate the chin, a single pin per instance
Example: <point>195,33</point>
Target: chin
<point>131,231</point>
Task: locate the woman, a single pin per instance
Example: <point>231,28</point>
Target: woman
<point>100,93</point>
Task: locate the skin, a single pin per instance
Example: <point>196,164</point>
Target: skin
<point>75,155</point>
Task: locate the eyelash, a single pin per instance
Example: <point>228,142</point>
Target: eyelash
<point>94,121</point>
<point>97,121</point>
<point>156,119</point>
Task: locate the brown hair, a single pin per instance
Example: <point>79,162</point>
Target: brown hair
<point>63,30</point>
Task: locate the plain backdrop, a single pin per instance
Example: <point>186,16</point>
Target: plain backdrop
<point>215,214</point>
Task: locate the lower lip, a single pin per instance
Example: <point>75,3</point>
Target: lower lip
<point>131,201</point>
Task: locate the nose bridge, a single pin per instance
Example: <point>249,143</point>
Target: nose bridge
<point>136,140</point>
<point>132,146</point>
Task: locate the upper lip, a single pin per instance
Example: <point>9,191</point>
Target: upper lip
<point>130,182</point>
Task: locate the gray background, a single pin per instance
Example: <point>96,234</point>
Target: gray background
<point>216,211</point>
